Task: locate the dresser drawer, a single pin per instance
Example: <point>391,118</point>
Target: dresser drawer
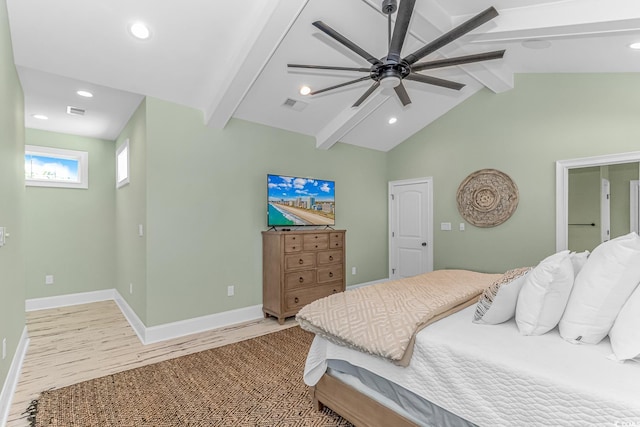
<point>293,243</point>
<point>298,261</point>
<point>331,273</point>
<point>336,240</point>
<point>329,257</point>
<point>299,279</point>
<point>298,299</point>
<point>314,242</point>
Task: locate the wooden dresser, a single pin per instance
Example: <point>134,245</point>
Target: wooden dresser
<point>299,267</point>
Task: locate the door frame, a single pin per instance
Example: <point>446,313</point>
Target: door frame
<point>562,187</point>
<point>423,180</point>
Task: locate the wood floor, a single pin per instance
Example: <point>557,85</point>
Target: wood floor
<point>82,342</point>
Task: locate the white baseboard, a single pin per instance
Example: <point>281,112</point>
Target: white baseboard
<point>200,324</point>
<point>45,303</point>
<point>359,285</point>
<point>153,334</point>
<point>10,384</point>
<point>134,321</point>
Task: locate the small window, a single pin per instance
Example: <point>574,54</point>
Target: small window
<point>55,167</point>
<point>122,164</point>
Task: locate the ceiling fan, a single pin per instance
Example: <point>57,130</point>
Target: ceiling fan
<point>391,70</point>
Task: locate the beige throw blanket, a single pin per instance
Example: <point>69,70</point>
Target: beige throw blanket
<point>383,319</point>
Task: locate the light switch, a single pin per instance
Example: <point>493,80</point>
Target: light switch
<point>140,230</point>
<point>462,226</point>
<point>3,233</point>
<point>446,226</point>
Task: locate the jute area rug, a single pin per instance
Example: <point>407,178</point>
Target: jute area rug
<point>257,382</point>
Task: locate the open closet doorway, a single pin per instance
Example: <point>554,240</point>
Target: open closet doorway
<point>410,227</point>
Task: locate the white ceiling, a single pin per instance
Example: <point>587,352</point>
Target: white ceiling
<point>228,59</point>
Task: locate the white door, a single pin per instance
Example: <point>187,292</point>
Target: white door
<point>605,210</point>
<point>410,227</point>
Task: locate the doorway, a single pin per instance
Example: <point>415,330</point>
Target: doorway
<point>410,227</point>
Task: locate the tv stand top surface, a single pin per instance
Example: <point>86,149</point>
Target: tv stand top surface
<point>272,230</point>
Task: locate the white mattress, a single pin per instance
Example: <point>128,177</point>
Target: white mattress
<point>493,376</point>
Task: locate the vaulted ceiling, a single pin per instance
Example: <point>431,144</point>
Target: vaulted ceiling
<point>229,59</point>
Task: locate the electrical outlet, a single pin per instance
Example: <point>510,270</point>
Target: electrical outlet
<point>48,279</point>
<point>4,348</point>
<point>3,233</point>
<point>462,226</point>
<point>231,290</point>
<point>353,271</point>
<point>130,288</point>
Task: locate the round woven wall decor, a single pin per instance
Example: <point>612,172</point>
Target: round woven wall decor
<point>487,198</point>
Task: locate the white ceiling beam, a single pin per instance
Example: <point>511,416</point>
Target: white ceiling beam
<point>560,19</point>
<point>347,119</point>
<point>274,24</point>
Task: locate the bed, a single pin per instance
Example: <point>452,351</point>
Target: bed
<point>464,374</point>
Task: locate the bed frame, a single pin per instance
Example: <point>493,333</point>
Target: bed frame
<point>357,408</point>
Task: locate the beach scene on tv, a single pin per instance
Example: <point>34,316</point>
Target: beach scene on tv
<point>300,201</point>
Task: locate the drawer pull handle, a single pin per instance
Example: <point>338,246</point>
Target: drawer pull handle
<point>316,246</point>
<point>335,291</point>
<point>331,274</point>
<point>330,257</point>
<point>300,261</point>
<point>315,237</point>
<point>296,300</point>
<point>301,280</point>
<point>293,247</point>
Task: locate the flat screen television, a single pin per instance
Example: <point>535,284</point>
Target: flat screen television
<point>300,201</point>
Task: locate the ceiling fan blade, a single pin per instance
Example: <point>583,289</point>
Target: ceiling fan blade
<point>459,60</point>
<point>435,81</point>
<point>346,42</point>
<point>405,11</point>
<point>402,94</point>
<point>369,91</point>
<point>361,79</point>
<point>450,36</point>
<point>326,67</point>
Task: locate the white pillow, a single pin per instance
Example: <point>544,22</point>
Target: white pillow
<point>625,334</point>
<point>544,295</point>
<point>610,274</point>
<point>578,259</point>
<point>498,302</point>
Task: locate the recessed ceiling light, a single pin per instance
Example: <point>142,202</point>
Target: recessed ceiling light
<point>40,117</point>
<point>536,44</point>
<point>392,120</point>
<point>140,31</point>
<point>305,90</point>
<point>635,45</point>
<point>85,93</point>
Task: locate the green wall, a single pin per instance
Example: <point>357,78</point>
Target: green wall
<point>522,132</point>
<point>69,231</point>
<point>12,280</point>
<point>131,211</point>
<point>206,208</point>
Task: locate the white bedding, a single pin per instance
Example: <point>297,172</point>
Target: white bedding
<point>493,376</point>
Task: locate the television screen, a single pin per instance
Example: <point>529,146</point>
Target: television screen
<point>300,201</point>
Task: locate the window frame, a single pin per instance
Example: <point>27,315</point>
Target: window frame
<point>82,157</point>
<point>123,147</point>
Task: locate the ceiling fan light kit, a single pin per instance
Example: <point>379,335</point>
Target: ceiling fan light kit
<point>389,71</point>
